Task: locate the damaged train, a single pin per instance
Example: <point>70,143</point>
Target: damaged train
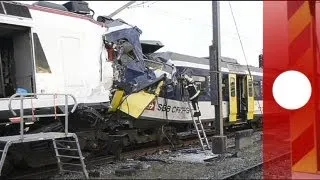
<point>125,88</point>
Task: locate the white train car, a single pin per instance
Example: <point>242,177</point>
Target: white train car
<point>51,50</point>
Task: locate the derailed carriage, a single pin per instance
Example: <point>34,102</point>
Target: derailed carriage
<point>124,89</point>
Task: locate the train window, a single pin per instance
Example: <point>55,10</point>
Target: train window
<point>199,78</point>
<point>250,88</point>
<point>233,87</point>
<point>200,82</point>
<point>42,65</point>
<point>257,89</point>
<point>225,91</point>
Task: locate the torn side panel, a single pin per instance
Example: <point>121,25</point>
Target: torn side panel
<point>134,104</point>
<point>136,76</point>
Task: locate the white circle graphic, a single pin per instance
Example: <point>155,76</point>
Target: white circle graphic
<point>291,90</point>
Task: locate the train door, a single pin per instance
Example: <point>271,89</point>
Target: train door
<point>233,106</point>
<point>241,97</point>
<point>245,97</point>
<point>249,97</point>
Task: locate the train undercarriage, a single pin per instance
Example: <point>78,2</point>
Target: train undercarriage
<point>99,136</point>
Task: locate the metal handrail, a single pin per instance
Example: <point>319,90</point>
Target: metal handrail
<point>23,96</point>
<point>34,94</point>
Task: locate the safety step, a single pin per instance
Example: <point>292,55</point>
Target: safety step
<point>71,171</point>
<point>79,156</point>
<point>67,149</point>
<point>71,164</point>
<point>72,157</point>
<point>65,141</point>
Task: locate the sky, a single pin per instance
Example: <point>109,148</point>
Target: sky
<point>186,26</point>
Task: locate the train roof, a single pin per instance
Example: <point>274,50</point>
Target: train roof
<point>226,63</point>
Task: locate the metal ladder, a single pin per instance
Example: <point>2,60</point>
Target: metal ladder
<point>200,130</point>
<point>54,136</point>
<point>64,155</point>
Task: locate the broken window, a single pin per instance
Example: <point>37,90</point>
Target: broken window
<point>42,65</point>
<point>200,81</point>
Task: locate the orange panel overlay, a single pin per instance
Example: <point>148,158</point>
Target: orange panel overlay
<point>291,43</point>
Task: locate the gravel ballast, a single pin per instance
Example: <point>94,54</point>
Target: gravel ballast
<point>183,164</point>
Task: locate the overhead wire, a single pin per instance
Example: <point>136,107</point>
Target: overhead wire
<point>242,47</point>
<point>152,3</point>
<point>139,5</point>
<point>181,18</point>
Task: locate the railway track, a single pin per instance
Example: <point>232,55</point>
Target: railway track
<point>245,173</point>
<point>51,170</point>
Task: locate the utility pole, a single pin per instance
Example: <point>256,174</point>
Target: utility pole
<point>218,141</point>
<point>215,67</point>
<point>121,8</point>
